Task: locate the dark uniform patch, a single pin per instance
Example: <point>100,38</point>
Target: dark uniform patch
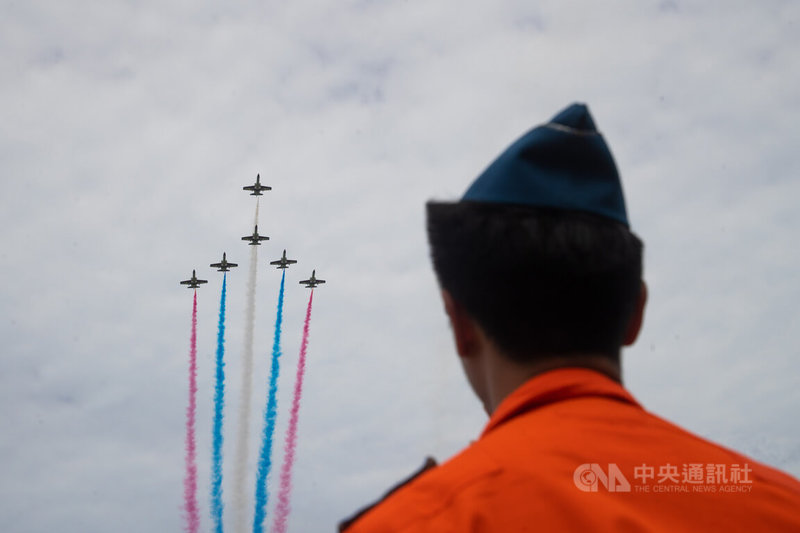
<point>430,462</point>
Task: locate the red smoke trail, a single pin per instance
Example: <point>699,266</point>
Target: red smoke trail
<point>283,508</point>
<point>190,481</point>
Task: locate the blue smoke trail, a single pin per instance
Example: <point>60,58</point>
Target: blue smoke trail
<point>265,463</point>
<point>219,402</point>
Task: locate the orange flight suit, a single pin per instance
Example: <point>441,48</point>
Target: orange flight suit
<point>571,450</point>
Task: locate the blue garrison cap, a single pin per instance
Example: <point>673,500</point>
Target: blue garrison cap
<point>564,164</point>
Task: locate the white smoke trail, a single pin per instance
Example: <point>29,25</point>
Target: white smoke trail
<point>240,466</point>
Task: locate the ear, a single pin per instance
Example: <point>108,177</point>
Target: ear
<point>635,323</point>
<point>464,327</point>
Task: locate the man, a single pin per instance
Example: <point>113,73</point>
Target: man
<point>541,279</point>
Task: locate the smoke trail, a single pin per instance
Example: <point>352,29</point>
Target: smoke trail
<point>219,403</point>
<point>190,481</point>
<point>283,507</point>
<point>265,462</point>
<point>240,466</point>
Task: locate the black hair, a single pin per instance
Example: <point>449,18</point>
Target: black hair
<point>538,281</point>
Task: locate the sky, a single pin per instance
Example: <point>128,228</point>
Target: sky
<point>129,128</point>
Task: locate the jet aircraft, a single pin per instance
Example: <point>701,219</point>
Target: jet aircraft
<point>257,187</point>
<point>255,238</point>
<point>193,282</point>
<point>283,262</point>
<point>312,281</point>
<point>224,265</point>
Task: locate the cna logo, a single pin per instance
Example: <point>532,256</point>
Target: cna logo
<point>588,477</point>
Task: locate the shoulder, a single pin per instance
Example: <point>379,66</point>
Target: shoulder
<point>430,463</point>
<point>444,498</point>
<point>506,472</point>
<point>420,498</point>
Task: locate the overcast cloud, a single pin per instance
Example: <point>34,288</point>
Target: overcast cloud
<point>129,128</point>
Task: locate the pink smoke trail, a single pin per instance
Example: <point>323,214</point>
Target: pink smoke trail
<point>282,509</point>
<point>190,481</point>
